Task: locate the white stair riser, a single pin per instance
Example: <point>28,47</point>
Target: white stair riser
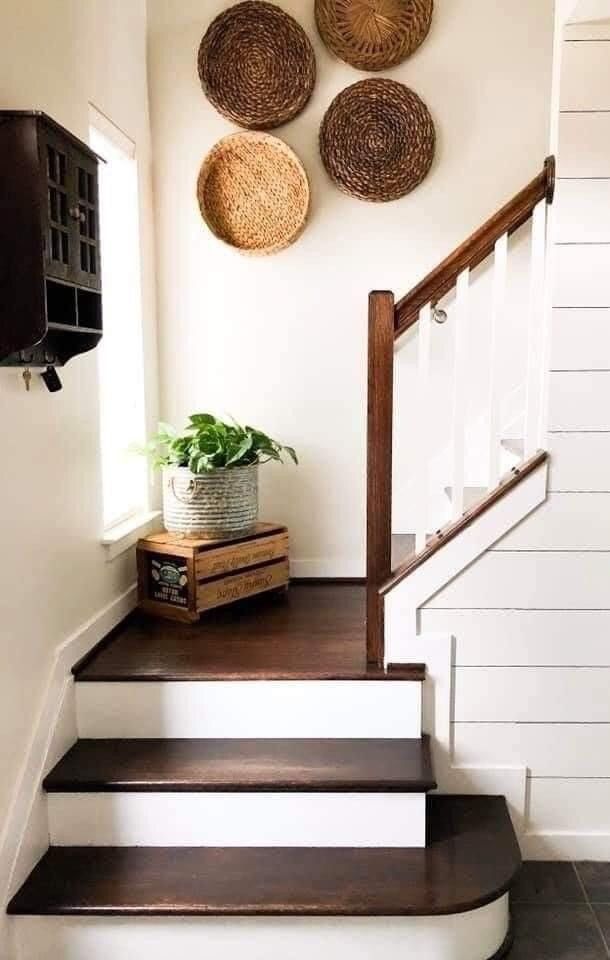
<point>476,935</point>
<point>245,708</point>
<point>238,819</point>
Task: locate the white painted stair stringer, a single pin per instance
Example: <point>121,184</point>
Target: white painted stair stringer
<point>474,935</point>
<point>406,643</point>
<point>238,819</point>
<point>506,779</point>
<point>402,604</point>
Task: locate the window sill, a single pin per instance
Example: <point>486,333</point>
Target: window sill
<point>123,536</point>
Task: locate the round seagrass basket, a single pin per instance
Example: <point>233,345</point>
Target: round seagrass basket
<point>257,65</point>
<point>221,503</point>
<point>373,34</point>
<point>253,193</point>
<point>377,140</point>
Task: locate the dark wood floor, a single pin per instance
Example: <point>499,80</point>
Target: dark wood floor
<point>244,765</point>
<point>472,858</point>
<point>312,631</point>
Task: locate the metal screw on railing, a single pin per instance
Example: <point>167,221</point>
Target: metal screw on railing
<point>438,315</point>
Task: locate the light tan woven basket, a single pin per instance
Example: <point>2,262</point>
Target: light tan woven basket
<point>253,193</point>
<point>373,34</point>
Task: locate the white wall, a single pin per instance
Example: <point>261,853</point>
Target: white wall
<point>55,576</point>
<point>532,617</point>
<point>282,341</point>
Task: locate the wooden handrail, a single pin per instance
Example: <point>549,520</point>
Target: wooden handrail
<point>387,321</point>
<point>476,249</point>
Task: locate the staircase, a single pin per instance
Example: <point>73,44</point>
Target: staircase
<point>260,782</point>
<point>180,801</point>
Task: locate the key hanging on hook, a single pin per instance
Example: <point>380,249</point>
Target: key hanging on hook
<point>27,378</point>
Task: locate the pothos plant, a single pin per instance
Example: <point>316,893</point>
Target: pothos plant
<point>208,443</point>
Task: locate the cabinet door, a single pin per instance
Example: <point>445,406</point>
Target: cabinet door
<point>58,227</point>
<point>86,252</point>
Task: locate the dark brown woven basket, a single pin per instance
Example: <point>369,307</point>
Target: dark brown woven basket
<point>257,65</point>
<point>377,140</point>
<point>373,34</point>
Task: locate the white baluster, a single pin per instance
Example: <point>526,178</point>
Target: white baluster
<point>423,425</point>
<point>498,308</point>
<point>535,347</point>
<point>460,374</point>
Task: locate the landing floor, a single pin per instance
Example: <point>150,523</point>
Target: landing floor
<point>313,631</point>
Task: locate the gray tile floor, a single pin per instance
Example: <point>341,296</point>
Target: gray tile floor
<point>561,911</point>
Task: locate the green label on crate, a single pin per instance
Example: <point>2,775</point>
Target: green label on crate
<point>168,580</point>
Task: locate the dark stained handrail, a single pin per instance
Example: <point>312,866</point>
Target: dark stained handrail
<point>476,249</point>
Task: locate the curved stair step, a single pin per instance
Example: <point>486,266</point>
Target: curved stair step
<point>471,861</point>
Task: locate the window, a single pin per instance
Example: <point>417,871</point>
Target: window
<point>120,354</point>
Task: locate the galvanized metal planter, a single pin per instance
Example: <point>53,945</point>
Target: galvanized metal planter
<point>210,505</point>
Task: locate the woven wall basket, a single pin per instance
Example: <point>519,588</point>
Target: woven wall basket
<point>257,65</point>
<point>373,34</point>
<point>253,192</point>
<point>377,140</point>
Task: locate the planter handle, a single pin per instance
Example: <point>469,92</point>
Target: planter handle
<point>189,494</point>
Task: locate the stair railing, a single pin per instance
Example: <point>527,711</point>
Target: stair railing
<point>389,321</point>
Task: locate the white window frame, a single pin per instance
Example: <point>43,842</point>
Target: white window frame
<point>123,531</point>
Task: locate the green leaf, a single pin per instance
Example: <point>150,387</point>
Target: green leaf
<point>202,419</point>
<point>244,447</point>
<point>208,443</point>
<point>166,430</point>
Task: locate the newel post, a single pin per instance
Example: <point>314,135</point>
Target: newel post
<point>379,465</point>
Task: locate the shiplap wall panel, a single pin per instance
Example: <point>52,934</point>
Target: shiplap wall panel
<point>532,694</point>
<point>590,350</point>
<point>569,806</point>
<point>579,400</point>
<point>582,210</point>
<point>582,276</point>
<point>524,637</point>
<point>546,749</point>
<point>530,581</point>
<point>579,461</point>
<point>584,145</point>
<point>585,81</point>
<point>567,521</point>
<point>593,29</point>
<point>531,617</point>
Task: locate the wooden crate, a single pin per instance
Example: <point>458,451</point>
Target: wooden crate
<point>180,577</point>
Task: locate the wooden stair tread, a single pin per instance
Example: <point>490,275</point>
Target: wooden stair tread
<point>312,632</point>
<point>244,765</point>
<point>472,859</point>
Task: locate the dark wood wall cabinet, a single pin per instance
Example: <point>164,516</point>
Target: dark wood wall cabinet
<point>50,271</point>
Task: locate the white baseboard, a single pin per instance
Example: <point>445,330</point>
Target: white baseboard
<point>26,832</point>
<point>565,846</point>
<point>323,567</point>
